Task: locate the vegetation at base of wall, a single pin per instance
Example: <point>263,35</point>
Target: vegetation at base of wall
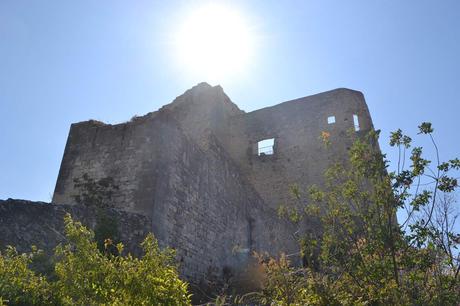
<point>362,255</point>
<point>19,285</point>
<point>106,228</point>
<point>86,276</point>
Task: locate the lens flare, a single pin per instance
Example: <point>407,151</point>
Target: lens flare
<point>214,42</point>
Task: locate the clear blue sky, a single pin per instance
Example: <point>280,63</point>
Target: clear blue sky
<point>68,61</point>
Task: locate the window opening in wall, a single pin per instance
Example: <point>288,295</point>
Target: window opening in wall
<point>356,122</point>
<point>265,147</point>
<point>330,119</point>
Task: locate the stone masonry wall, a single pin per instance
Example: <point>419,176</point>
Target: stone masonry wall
<point>25,223</point>
<point>300,156</point>
<point>192,168</point>
<point>197,200</point>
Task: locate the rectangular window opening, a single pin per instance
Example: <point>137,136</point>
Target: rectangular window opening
<point>330,119</point>
<point>265,146</point>
<point>356,122</point>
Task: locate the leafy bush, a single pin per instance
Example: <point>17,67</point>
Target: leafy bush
<point>86,276</point>
<point>18,284</point>
<point>361,255</point>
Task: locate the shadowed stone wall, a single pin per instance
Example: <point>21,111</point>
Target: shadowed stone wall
<point>192,170</point>
<point>26,223</point>
<point>197,199</point>
<point>300,156</point>
<point>202,253</point>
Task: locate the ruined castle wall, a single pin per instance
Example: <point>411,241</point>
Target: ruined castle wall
<point>202,111</point>
<point>192,168</point>
<point>128,153</point>
<point>215,218</point>
<point>195,197</point>
<point>300,156</point>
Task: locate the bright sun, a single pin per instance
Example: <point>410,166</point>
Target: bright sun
<point>214,42</point>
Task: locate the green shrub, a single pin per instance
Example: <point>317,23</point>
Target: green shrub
<point>18,284</point>
<point>86,276</point>
<point>361,255</point>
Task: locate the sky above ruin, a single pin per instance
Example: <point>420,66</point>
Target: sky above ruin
<point>68,61</point>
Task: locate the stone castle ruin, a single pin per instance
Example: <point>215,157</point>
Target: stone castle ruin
<point>204,176</point>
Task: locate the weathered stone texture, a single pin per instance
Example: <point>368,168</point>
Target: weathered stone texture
<point>25,223</point>
<point>192,169</point>
<point>300,155</point>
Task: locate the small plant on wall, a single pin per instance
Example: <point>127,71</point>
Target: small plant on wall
<point>97,194</point>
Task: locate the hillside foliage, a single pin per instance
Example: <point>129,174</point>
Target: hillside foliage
<point>362,255</point>
<point>83,275</point>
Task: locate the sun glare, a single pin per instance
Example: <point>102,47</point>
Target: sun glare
<point>214,42</point>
